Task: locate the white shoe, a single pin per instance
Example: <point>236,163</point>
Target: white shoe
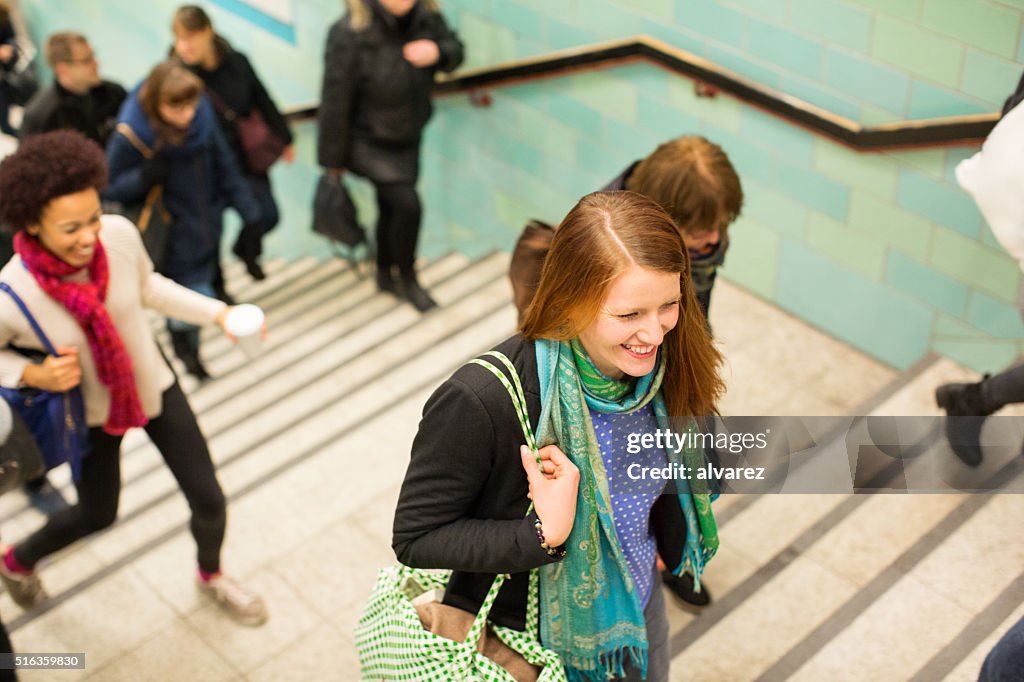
<point>242,604</point>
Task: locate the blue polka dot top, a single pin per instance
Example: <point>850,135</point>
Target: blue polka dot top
<point>632,499</point>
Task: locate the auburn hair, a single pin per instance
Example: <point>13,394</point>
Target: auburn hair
<point>694,181</point>
<point>599,239</point>
<point>170,83</point>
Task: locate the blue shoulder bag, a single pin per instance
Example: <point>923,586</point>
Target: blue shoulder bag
<point>56,420</point>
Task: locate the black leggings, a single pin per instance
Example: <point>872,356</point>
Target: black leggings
<point>398,226</point>
<point>183,447</point>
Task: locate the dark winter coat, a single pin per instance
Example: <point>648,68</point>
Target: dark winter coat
<point>56,108</point>
<point>237,87</point>
<point>202,179</point>
<point>374,104</point>
<point>463,502</point>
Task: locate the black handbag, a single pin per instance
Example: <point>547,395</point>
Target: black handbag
<point>334,213</point>
<point>22,80</point>
<point>20,459</point>
<point>56,420</point>
<point>150,216</point>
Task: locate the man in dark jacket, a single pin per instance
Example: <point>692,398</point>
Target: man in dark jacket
<point>78,99</point>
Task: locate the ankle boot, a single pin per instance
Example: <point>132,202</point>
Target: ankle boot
<point>186,347</point>
<point>385,282</point>
<point>416,294</point>
<point>247,248</point>
<point>966,409</point>
<point>219,291</point>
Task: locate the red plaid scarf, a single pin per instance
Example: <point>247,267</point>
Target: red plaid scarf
<point>84,301</point>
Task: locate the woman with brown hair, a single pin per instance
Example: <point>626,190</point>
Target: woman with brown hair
<point>168,135</point>
<point>378,73</point>
<point>613,344</point>
<point>236,93</point>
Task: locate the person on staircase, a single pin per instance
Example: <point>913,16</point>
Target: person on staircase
<point>88,280</point>
<point>614,343</point>
<point>235,91</point>
<point>693,180</point>
<point>168,135</point>
<point>379,69</point>
<point>994,177</point>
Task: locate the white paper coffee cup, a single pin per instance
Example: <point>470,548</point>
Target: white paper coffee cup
<point>245,323</point>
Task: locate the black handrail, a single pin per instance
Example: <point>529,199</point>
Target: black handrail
<point>928,132</point>
<point>951,130</point>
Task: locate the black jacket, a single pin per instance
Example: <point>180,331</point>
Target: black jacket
<point>373,101</point>
<point>234,85</point>
<point>92,114</point>
<point>463,501</point>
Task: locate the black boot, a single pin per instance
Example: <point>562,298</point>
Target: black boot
<point>186,347</point>
<point>247,248</point>
<point>219,291</point>
<point>968,408</point>
<point>416,294</point>
<point>386,282</point>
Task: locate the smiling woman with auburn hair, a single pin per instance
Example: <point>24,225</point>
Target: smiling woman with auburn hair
<point>613,344</point>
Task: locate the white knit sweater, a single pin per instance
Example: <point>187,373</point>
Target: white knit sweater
<point>133,287</point>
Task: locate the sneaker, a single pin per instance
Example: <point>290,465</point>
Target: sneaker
<point>241,604</point>
<point>25,588</point>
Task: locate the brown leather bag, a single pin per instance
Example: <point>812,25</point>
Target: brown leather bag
<point>452,623</point>
<point>528,261</point>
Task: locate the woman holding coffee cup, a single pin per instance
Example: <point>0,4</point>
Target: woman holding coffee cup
<point>88,281</point>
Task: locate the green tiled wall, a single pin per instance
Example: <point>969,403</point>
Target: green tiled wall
<point>883,250</point>
<point>869,60</point>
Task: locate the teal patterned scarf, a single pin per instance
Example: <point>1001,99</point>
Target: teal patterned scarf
<point>595,641</point>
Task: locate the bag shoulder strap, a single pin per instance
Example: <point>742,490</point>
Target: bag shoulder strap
<point>220,105</point>
<point>136,141</point>
<point>31,319</point>
<point>515,391</point>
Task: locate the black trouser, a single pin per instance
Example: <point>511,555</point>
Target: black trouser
<point>183,447</point>
<point>5,647</point>
<point>1004,388</point>
<point>249,243</point>
<point>398,226</point>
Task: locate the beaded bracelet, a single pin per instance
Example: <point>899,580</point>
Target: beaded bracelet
<point>557,552</point>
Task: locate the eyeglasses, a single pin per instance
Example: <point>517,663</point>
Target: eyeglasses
<point>91,59</point>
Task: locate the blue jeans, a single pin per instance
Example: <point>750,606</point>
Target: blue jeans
<point>204,288</point>
<point>1005,663</point>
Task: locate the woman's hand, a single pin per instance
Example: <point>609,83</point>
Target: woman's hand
<point>421,53</point>
<point>57,373</point>
<point>288,155</point>
<point>553,489</point>
<point>221,322</point>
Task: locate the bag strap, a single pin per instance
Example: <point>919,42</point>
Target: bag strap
<point>229,114</point>
<point>533,595</point>
<point>31,320</point>
<point>136,141</point>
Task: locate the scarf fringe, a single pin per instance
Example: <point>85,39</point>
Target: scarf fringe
<point>608,664</point>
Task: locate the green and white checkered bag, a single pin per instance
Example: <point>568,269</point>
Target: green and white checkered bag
<point>394,645</point>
